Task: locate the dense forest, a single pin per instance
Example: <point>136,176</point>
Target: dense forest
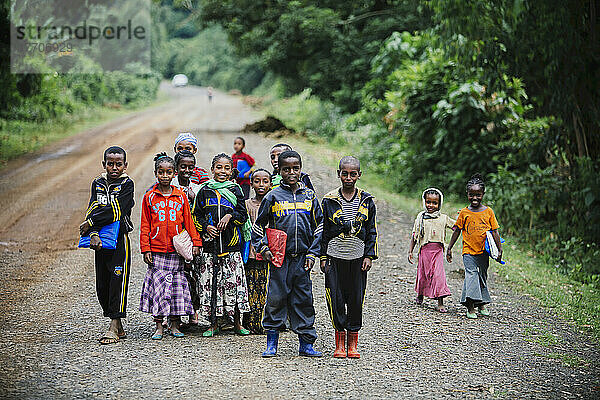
<point>434,90</point>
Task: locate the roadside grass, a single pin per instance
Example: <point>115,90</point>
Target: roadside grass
<point>19,137</point>
<point>526,273</point>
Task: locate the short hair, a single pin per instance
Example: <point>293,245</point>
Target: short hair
<point>184,154</point>
<point>286,146</point>
<point>115,150</point>
<point>242,139</point>
<point>289,154</point>
<point>260,170</point>
<point>349,160</point>
<point>476,179</point>
<point>160,158</point>
<point>218,157</point>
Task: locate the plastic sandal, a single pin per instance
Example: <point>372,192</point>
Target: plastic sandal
<point>157,336</point>
<point>485,312</point>
<point>242,332</point>
<point>210,332</point>
<point>177,334</point>
<point>471,315</point>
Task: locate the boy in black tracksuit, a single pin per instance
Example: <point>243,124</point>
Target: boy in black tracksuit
<point>348,247</point>
<point>111,200</point>
<point>294,209</point>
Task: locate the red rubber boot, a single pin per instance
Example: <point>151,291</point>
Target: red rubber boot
<point>352,345</point>
<point>340,344</point>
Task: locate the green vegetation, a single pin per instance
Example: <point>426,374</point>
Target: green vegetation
<point>36,109</point>
<point>182,46</point>
<point>436,91</point>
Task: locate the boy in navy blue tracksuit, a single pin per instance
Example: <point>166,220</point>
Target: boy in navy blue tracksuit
<point>111,200</point>
<point>294,209</point>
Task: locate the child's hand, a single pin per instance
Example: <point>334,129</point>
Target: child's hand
<point>309,263</point>
<point>411,258</point>
<point>449,255</point>
<point>212,231</point>
<point>367,263</point>
<point>268,255</point>
<point>223,223</point>
<point>84,228</point>
<point>323,266</point>
<point>499,255</point>
<point>196,251</point>
<point>148,257</point>
<point>95,242</point>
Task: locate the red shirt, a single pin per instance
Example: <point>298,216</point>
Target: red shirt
<point>199,176</point>
<point>164,217</point>
<point>246,157</point>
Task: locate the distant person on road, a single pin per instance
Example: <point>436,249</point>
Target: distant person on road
<point>256,267</point>
<point>221,218</point>
<point>474,222</point>
<point>185,163</point>
<point>187,141</point>
<point>275,176</point>
<point>348,249</point>
<point>111,200</point>
<point>429,236</point>
<point>289,217</point>
<point>209,92</point>
<point>165,213</point>
<point>243,162</point>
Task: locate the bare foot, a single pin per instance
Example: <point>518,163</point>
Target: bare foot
<point>175,327</point>
<point>120,330</point>
<point>158,333</point>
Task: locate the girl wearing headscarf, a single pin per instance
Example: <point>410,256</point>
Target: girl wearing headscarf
<point>429,236</point>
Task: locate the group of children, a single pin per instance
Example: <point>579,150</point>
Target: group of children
<point>251,258</point>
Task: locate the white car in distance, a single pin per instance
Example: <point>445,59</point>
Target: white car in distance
<point>179,80</point>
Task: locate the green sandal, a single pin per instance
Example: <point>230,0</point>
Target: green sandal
<point>210,332</point>
<point>485,312</point>
<point>242,332</point>
<point>471,315</point>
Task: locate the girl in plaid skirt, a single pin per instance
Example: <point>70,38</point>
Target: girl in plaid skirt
<point>165,213</point>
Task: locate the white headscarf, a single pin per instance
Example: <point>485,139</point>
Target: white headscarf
<point>427,215</point>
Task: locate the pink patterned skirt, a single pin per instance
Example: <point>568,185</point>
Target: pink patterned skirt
<point>165,291</point>
<point>431,277</point>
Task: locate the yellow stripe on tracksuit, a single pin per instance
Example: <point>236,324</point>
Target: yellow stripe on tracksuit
<point>330,307</point>
<point>91,208</point>
<point>125,273</point>
<point>118,217</point>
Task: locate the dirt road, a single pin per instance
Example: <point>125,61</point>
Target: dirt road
<point>51,320</point>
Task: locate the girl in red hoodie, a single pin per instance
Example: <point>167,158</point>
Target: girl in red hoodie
<point>165,213</point>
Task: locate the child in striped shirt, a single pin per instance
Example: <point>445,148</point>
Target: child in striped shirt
<point>348,247</point>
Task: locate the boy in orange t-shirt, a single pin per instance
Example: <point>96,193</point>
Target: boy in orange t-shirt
<point>474,221</point>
